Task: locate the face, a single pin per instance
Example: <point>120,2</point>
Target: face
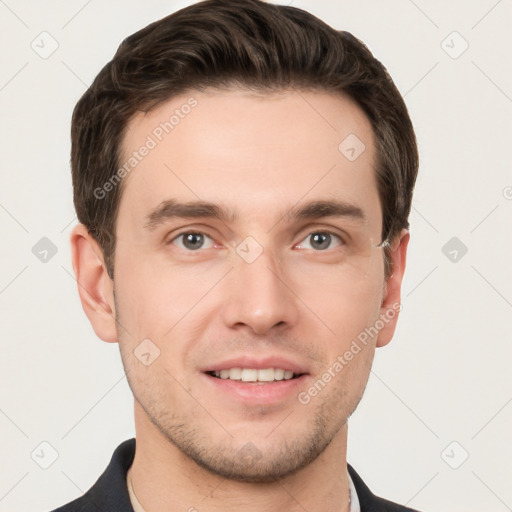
<point>247,241</point>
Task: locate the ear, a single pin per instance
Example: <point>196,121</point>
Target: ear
<point>95,287</point>
<point>391,306</point>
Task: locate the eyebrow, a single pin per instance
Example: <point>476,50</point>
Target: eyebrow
<point>171,209</point>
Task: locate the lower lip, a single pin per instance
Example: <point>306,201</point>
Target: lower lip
<point>258,392</point>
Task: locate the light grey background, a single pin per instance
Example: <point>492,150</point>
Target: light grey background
<point>440,391</point>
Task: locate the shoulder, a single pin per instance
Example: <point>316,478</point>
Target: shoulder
<point>79,505</point>
<point>371,503</point>
<point>110,491</point>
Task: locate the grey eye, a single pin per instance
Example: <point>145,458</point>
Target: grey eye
<point>193,241</point>
<point>320,240</point>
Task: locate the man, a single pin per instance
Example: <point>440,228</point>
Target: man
<point>243,176</point>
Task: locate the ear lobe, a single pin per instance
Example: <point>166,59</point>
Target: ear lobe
<point>391,305</point>
<point>94,284</point>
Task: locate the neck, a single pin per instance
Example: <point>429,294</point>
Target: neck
<point>164,479</point>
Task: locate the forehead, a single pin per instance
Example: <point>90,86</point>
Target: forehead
<point>256,154</point>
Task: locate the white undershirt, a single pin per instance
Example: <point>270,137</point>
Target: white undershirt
<point>137,507</point>
<point>354,499</point>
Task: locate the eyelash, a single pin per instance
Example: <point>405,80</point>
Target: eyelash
<point>323,232</point>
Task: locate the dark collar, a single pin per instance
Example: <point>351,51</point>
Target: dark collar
<point>109,493</point>
<point>368,501</point>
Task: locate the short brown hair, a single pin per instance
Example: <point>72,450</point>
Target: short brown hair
<point>248,43</point>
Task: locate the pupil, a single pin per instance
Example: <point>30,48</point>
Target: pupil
<point>321,240</point>
<point>193,241</point>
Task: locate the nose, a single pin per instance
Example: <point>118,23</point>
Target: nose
<point>260,297</point>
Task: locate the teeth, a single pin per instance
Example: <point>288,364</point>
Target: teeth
<point>234,373</point>
<point>249,375</point>
<point>254,375</point>
<point>266,375</point>
<point>278,373</point>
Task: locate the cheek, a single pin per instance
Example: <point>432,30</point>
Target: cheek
<point>345,306</point>
<point>152,298</point>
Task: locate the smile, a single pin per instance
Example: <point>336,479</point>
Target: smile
<point>254,374</point>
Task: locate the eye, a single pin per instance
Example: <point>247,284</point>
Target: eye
<point>320,241</point>
<point>192,241</point>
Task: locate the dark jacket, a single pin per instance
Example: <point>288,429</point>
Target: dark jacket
<point>110,493</point>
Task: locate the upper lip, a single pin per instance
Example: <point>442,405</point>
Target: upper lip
<point>259,363</point>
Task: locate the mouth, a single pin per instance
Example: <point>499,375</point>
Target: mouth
<point>255,386</point>
<point>268,380</point>
<point>255,375</point>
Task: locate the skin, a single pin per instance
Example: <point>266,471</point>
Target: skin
<point>257,155</point>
